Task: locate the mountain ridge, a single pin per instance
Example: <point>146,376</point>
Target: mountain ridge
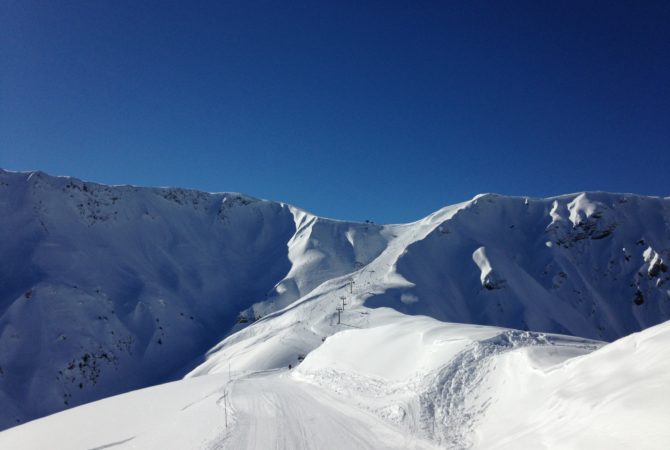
<point>119,287</point>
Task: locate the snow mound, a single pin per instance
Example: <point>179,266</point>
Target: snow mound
<point>480,387</point>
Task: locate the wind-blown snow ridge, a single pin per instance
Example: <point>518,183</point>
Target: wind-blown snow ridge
<point>113,288</point>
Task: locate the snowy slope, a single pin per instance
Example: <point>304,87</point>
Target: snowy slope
<point>104,289</point>
<point>583,265</point>
<point>615,398</point>
<point>269,411</point>
<point>493,388</point>
<point>404,382</point>
<point>457,265</point>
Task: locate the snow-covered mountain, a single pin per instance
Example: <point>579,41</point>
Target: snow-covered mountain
<point>105,289</point>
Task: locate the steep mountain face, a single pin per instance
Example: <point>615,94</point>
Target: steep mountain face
<point>104,289</point>
<point>593,265</point>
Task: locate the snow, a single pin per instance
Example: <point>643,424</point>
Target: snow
<point>487,276</point>
<point>470,387</point>
<point>427,377</point>
<point>276,412</point>
<point>404,382</point>
<point>615,397</point>
<point>116,288</point>
<point>582,208</point>
<point>261,411</point>
<point>183,414</point>
<point>479,257</point>
<point>105,289</point>
<point>403,346</point>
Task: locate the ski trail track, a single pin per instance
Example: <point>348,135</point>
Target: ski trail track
<point>274,411</point>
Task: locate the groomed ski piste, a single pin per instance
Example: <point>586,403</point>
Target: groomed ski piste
<point>399,336</point>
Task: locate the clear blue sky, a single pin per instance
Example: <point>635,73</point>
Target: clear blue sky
<point>355,110</point>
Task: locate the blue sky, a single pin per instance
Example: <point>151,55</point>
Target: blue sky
<point>355,110</point>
